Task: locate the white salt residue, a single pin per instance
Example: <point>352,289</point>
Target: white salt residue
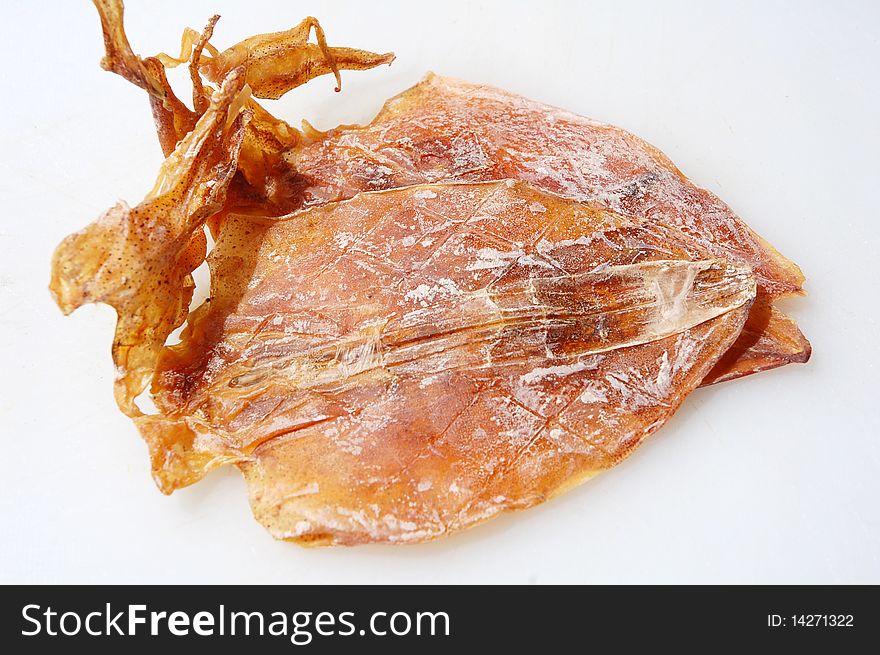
<point>544,246</point>
<point>492,258</point>
<point>424,194</point>
<point>302,325</point>
<point>418,535</point>
<point>388,526</point>
<point>560,371</point>
<point>308,490</point>
<point>592,162</point>
<point>438,227</point>
<point>340,436</point>
<point>529,260</point>
<point>593,392</point>
<point>685,351</point>
<point>638,390</point>
<point>269,296</point>
<point>394,523</point>
<point>629,396</point>
<point>424,294</point>
<point>537,208</point>
<point>515,425</point>
<point>379,171</point>
<point>299,529</point>
<point>360,517</point>
<point>481,511</point>
<point>686,348</point>
<point>421,292</point>
<point>531,397</point>
<point>344,239</point>
<point>660,386</point>
<point>408,241</point>
<point>467,155</point>
<point>556,434</point>
<point>453,488</point>
<point>428,381</point>
<point>424,485</point>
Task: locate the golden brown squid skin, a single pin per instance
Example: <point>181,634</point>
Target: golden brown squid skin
<point>445,129</point>
<point>417,347</point>
<point>281,61</point>
<point>139,260</point>
<point>769,339</point>
<point>409,363</point>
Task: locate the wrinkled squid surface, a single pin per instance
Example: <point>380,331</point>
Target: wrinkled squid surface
<point>466,307</point>
<point>406,363</point>
<point>445,129</point>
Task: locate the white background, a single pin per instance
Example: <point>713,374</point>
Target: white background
<point>770,479</point>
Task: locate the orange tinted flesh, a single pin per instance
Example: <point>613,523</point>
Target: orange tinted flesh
<point>768,340</point>
<point>273,64</point>
<point>139,260</point>
<point>409,363</point>
<point>444,129</point>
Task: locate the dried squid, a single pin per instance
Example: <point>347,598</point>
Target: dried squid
<point>444,129</point>
<point>466,307</point>
<point>408,363</point>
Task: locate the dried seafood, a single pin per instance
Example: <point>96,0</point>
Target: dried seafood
<point>393,367</point>
<point>465,307</point>
<point>444,129</point>
<point>447,130</point>
<point>139,260</point>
